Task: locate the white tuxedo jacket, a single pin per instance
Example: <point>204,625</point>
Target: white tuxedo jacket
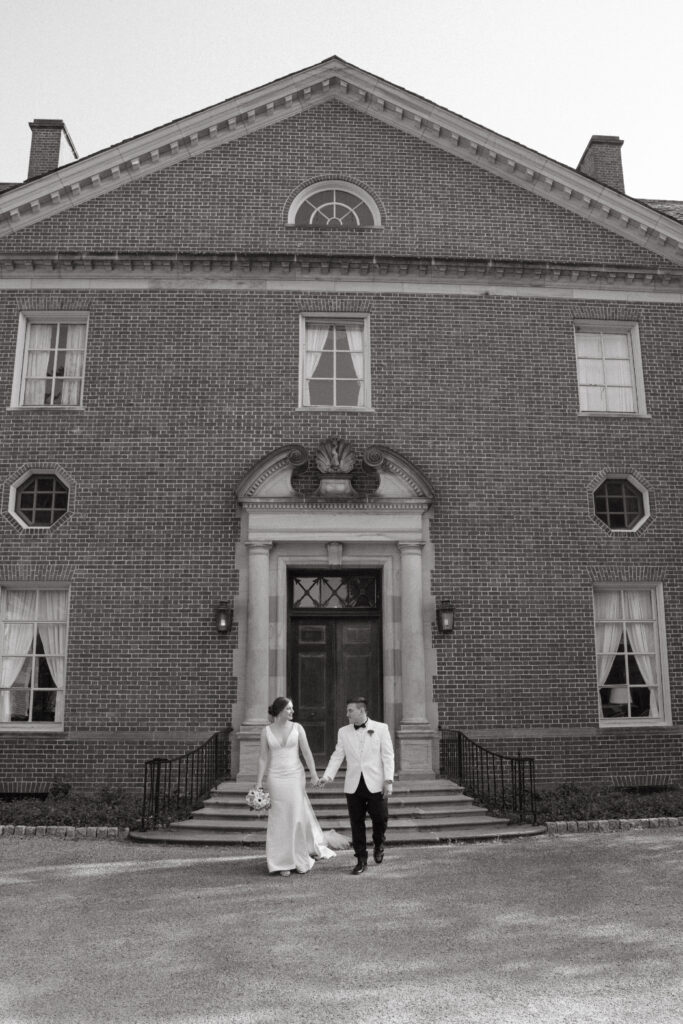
<point>371,753</point>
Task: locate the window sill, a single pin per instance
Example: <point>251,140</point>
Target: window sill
<point>36,530</point>
<point>334,408</point>
<point>630,532</point>
<point>31,727</point>
<point>335,227</point>
<point>583,415</point>
<point>634,723</point>
<point>46,408</point>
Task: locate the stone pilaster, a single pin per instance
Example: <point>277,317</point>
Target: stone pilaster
<point>257,675</point>
<point>415,736</point>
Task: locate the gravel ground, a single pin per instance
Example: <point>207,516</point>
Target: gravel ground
<point>578,929</point>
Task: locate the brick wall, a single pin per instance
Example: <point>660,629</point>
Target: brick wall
<point>235,197</point>
<point>186,389</point>
<point>184,392</point>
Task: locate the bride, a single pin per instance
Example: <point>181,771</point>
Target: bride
<point>294,839</point>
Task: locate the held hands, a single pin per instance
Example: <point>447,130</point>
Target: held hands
<point>315,781</point>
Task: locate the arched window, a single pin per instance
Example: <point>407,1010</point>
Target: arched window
<point>334,204</point>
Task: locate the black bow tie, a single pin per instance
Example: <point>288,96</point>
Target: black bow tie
<point>361,726</point>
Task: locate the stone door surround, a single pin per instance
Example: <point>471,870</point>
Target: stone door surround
<point>299,510</point>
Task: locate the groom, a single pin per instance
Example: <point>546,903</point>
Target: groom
<point>369,754</point>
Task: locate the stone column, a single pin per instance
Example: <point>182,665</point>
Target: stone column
<point>415,738</point>
<point>258,659</point>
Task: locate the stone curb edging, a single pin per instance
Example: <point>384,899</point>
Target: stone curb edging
<point>63,832</point>
<point>556,828</point>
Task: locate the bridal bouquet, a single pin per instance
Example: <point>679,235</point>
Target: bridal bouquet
<point>258,800</point>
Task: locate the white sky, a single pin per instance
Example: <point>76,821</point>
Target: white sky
<point>546,73</point>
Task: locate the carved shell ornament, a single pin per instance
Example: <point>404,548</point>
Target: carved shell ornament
<point>335,456</point>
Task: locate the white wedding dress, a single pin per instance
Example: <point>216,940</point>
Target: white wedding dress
<point>294,839</point>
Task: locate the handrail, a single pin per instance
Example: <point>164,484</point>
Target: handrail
<point>500,782</point>
<point>173,786</point>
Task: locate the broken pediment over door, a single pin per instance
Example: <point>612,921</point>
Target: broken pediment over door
<point>375,475</point>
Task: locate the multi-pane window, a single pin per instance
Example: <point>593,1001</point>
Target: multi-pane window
<point>334,208</point>
<point>630,670</point>
<point>335,364</point>
<point>619,504</point>
<point>50,360</point>
<point>608,369</point>
<point>41,500</point>
<point>32,655</point>
<point>343,590</point>
<point>334,204</point>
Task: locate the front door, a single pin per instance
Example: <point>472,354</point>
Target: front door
<point>334,650</point>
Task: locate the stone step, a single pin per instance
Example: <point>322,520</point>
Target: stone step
<point>239,809</point>
<point>339,799</point>
<point>260,824</point>
<point>472,833</point>
<point>422,811</point>
<point>236,812</point>
<point>395,838</point>
<point>400,786</point>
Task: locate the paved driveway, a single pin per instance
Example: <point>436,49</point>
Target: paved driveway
<point>578,929</point>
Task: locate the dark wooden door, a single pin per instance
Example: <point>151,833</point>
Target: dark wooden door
<point>332,659</point>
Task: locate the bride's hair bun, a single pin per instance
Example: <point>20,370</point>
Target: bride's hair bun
<point>278,705</point>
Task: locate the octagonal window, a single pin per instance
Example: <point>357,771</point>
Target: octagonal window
<point>620,503</point>
<point>41,500</point>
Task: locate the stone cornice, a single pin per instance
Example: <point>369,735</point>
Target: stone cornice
<point>334,78</point>
<point>198,270</point>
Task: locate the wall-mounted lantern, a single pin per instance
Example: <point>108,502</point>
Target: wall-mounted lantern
<point>445,618</point>
<point>222,617</point>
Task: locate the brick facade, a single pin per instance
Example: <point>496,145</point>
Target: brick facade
<point>198,205</point>
<point>192,378</point>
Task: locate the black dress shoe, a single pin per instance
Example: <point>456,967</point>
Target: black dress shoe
<point>379,853</point>
<point>360,867</point>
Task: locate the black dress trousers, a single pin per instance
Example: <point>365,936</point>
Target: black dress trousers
<point>364,802</point>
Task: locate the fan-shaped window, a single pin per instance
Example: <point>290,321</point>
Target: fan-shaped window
<point>334,204</point>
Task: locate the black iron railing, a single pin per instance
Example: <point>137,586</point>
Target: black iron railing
<point>501,783</point>
<point>174,786</point>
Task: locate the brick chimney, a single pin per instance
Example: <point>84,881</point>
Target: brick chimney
<point>46,142</point>
<point>602,161</point>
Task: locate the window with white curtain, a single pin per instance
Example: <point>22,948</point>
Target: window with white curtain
<point>32,656</point>
<point>608,368</point>
<point>50,360</point>
<point>335,363</point>
<point>630,652</point>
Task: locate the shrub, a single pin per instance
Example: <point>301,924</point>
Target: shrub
<point>109,805</point>
<point>570,802</point>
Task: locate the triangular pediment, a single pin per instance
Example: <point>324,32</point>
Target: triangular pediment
<point>334,78</point>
